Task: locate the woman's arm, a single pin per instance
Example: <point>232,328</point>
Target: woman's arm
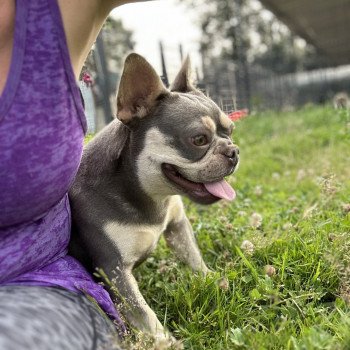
<point>82,21</point>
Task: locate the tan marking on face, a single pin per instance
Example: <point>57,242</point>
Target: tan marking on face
<point>225,121</point>
<point>209,123</point>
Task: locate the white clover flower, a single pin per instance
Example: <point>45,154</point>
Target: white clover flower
<point>247,201</point>
<point>329,184</point>
<point>287,226</point>
<point>292,199</point>
<point>346,207</point>
<point>258,190</point>
<point>247,247</point>
<point>301,174</point>
<point>294,210</point>
<point>223,283</point>
<point>269,270</point>
<point>256,220</point>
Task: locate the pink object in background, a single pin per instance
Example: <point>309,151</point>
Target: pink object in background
<point>87,79</point>
<point>237,115</point>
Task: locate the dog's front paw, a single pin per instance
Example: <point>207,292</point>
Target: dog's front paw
<point>166,341</point>
<point>158,341</point>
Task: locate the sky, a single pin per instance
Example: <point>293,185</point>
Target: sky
<point>168,21</point>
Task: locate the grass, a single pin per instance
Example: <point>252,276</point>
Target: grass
<point>295,173</point>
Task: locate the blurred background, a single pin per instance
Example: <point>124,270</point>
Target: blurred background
<point>260,55</point>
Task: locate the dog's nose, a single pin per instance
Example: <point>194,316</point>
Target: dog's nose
<point>233,152</point>
<point>229,150</point>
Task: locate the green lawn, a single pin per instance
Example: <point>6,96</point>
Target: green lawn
<point>295,173</point>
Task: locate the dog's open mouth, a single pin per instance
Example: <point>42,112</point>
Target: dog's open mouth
<point>204,193</point>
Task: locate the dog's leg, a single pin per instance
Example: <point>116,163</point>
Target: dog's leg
<point>107,256</point>
<point>135,308</point>
<point>180,238</point>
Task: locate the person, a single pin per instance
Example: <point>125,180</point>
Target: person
<point>46,296</point>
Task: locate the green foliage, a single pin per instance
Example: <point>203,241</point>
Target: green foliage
<point>118,42</point>
<point>242,30</point>
<point>295,173</point>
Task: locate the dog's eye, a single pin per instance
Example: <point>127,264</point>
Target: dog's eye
<point>200,140</point>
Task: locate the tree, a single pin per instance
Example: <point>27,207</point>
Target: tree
<point>241,30</point>
<point>226,27</point>
<point>104,64</point>
<point>118,42</point>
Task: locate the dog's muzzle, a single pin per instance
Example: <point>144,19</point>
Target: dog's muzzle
<point>229,150</point>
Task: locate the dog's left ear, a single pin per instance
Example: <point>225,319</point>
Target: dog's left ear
<point>182,82</point>
<point>139,88</point>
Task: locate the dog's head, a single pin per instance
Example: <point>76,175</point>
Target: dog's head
<point>180,138</point>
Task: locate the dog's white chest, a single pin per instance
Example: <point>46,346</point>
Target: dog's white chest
<point>133,241</point>
<point>136,241</point>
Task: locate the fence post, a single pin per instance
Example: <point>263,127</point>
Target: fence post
<point>164,76</point>
<point>103,75</point>
<point>242,63</point>
<point>181,53</point>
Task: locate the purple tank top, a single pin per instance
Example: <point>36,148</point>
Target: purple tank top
<point>42,127</point>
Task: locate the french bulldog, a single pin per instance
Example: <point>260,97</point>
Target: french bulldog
<point>164,143</point>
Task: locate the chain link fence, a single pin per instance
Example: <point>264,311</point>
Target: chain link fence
<point>232,85</point>
<point>222,81</point>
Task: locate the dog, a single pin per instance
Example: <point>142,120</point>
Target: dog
<point>164,143</point>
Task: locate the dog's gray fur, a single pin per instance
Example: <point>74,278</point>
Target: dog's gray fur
<point>122,201</point>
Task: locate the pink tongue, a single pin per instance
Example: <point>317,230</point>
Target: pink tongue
<point>221,189</point>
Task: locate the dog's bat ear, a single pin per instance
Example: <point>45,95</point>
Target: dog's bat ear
<point>182,82</point>
<point>139,88</point>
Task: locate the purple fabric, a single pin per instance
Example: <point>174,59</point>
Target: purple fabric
<point>42,126</point>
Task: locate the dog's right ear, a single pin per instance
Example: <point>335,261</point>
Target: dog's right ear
<point>182,82</point>
<point>139,88</point>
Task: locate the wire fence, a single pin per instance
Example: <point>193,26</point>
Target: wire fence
<point>232,85</point>
<point>267,90</point>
